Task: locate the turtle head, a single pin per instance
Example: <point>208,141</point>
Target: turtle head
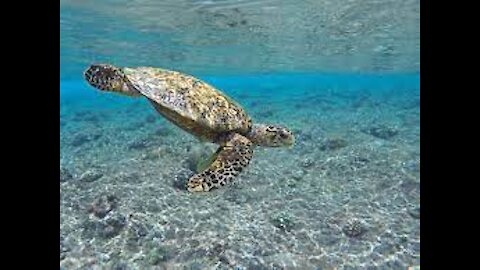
<point>271,136</point>
<point>109,78</point>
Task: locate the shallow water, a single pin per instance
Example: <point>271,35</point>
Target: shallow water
<point>346,196</point>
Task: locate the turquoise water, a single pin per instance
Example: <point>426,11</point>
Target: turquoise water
<point>343,76</point>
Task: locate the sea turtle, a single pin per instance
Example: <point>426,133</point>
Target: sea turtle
<point>200,109</point>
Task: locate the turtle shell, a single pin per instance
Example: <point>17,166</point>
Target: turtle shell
<point>190,103</point>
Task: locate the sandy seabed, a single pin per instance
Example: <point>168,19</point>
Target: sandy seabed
<point>346,196</point>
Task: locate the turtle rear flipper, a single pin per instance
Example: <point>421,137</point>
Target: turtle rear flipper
<point>229,161</point>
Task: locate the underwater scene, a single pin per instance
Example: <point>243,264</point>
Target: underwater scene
<point>239,134</point>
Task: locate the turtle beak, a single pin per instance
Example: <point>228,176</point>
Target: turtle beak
<point>291,142</point>
<point>290,139</point>
<point>195,189</point>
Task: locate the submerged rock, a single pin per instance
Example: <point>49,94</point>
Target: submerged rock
<point>291,183</point>
<point>283,221</point>
<point>307,163</point>
<point>354,228</point>
<point>298,174</point>
<point>216,249</point>
<point>91,175</point>
<point>105,228</point>
<point>79,139</point>
<point>102,205</point>
<point>137,231</point>
<point>65,175</point>
<point>382,131</point>
<point>111,226</point>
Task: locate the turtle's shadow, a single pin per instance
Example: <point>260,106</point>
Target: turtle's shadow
<point>181,178</point>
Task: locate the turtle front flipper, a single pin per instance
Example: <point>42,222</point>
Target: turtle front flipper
<point>229,161</point>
